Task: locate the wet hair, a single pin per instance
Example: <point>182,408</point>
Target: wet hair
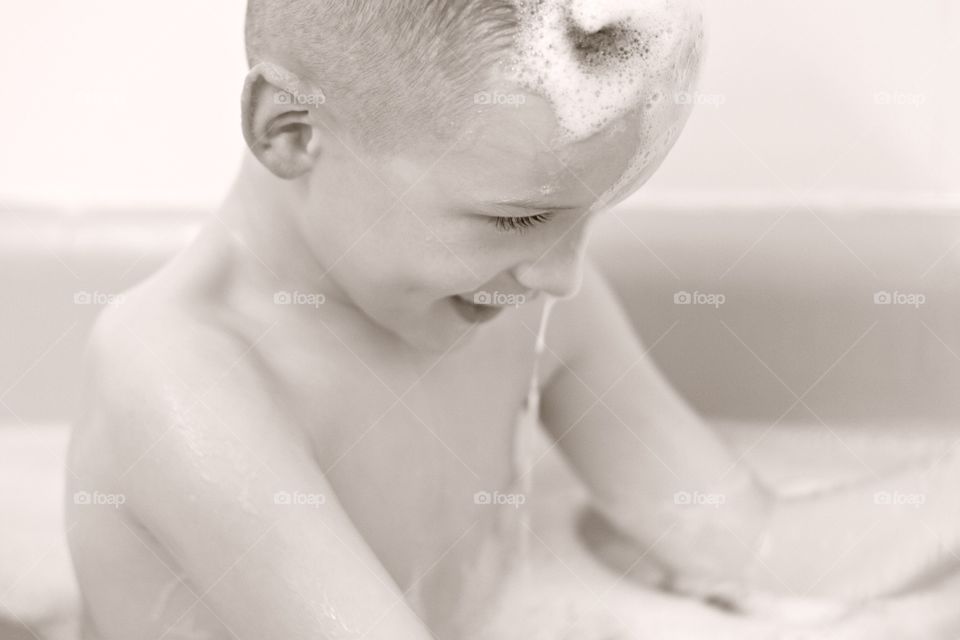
<point>389,69</point>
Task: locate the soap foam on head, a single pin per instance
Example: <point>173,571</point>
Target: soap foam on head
<point>596,60</point>
<point>602,62</point>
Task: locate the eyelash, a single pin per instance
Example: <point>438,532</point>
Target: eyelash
<point>521,225</point>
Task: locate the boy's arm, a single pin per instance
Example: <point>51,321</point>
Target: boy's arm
<point>209,479</point>
<point>877,537</point>
<point>666,480</point>
<point>640,449</point>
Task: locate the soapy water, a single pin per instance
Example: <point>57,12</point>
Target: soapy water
<point>599,62</point>
<point>538,601</point>
<point>504,555</point>
<point>534,601</point>
<point>614,68</point>
<point>561,600</point>
<point>527,423</point>
<point>596,61</point>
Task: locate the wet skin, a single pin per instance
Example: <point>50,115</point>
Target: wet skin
<point>395,399</point>
<point>386,408</point>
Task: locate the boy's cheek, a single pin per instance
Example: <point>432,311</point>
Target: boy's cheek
<point>401,283</point>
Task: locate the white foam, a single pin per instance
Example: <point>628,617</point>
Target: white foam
<point>593,15</point>
<point>597,60</point>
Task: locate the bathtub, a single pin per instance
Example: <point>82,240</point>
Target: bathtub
<point>822,342</point>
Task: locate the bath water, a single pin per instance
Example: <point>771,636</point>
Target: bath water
<point>528,421</point>
<point>502,573</point>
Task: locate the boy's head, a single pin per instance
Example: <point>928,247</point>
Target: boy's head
<point>392,69</point>
<point>434,150</point>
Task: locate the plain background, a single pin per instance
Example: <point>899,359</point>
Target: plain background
<point>133,105</point>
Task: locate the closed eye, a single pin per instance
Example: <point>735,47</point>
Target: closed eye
<point>520,225</point>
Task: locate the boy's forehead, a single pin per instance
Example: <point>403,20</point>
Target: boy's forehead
<point>512,143</point>
<point>517,152</point>
<point>607,122</point>
<point>520,137</point>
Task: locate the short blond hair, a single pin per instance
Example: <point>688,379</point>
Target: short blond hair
<point>389,69</point>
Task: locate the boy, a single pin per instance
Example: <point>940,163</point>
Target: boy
<point>300,410</point>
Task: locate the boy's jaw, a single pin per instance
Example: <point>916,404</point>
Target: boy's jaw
<point>447,325</point>
<point>451,322</point>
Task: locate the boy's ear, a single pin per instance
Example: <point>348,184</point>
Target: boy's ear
<point>277,122</point>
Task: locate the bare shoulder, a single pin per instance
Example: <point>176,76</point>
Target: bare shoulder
<point>167,388</point>
<point>187,430</point>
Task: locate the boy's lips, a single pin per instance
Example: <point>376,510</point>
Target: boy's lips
<point>475,313</point>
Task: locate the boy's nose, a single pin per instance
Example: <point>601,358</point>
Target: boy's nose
<point>559,272</point>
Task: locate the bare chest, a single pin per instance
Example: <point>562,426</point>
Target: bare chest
<point>427,470</point>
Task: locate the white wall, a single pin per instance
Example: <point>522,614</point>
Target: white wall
<point>802,86</point>
<point>94,114</point>
<point>120,102</point>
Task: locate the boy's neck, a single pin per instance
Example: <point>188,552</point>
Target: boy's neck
<point>263,226</point>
